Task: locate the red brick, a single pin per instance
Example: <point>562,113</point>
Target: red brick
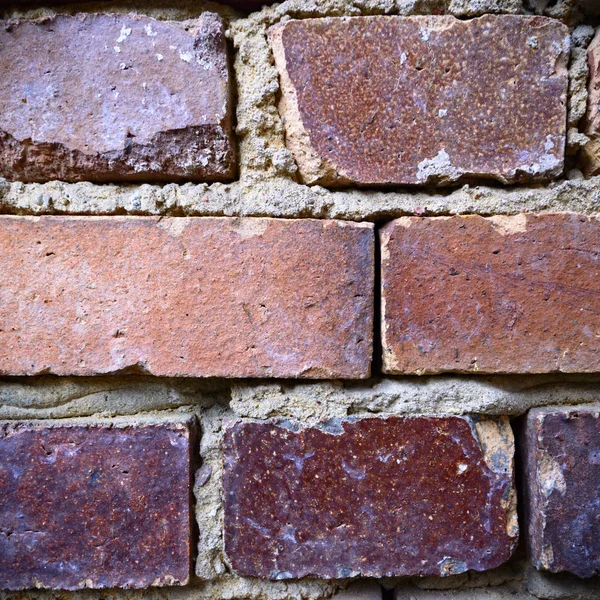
<point>204,297</point>
<point>421,100</point>
<point>591,123</point>
<point>94,505</point>
<point>561,447</point>
<point>374,497</point>
<point>514,294</point>
<point>115,98</point>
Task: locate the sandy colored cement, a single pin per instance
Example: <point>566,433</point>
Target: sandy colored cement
<point>211,402</point>
<point>284,198</point>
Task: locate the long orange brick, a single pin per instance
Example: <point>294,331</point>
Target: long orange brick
<point>200,297</point>
<point>517,294</point>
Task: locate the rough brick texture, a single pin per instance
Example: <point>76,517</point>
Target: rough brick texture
<point>373,497</point>
<point>591,124</point>
<point>94,505</point>
<point>186,297</point>
<point>447,99</point>
<point>115,97</point>
<point>516,294</point>
<point>562,482</point>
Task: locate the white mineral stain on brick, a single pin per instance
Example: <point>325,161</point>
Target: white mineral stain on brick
<point>186,56</point>
<point>439,166</point>
<point>509,225</point>
<point>125,33</point>
<point>149,31</point>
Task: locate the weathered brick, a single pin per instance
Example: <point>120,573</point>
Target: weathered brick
<point>95,504</point>
<point>421,100</point>
<point>374,497</point>
<point>591,123</point>
<point>115,97</point>
<point>201,297</point>
<point>561,447</point>
<point>517,294</point>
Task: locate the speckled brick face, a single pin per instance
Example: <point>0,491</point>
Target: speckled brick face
<point>516,294</point>
<point>220,297</point>
<point>423,100</point>
<point>562,483</point>
<point>373,497</point>
<point>113,98</point>
<point>94,506</point>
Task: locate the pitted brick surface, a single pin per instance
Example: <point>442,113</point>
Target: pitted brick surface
<point>516,294</point>
<point>421,100</point>
<point>562,482</point>
<point>94,506</point>
<point>373,497</point>
<point>206,297</point>
<point>115,98</point>
<point>591,123</point>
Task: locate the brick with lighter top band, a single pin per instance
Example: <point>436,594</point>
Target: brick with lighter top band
<point>518,294</point>
<point>115,98</point>
<point>198,297</point>
<point>423,100</point>
<point>371,497</point>
<point>95,504</point>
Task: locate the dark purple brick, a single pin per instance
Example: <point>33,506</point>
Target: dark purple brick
<point>562,485</point>
<point>95,505</point>
<point>374,497</point>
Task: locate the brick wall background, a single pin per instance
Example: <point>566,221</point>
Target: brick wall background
<point>301,302</point>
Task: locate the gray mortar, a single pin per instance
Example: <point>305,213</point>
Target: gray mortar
<point>59,398</point>
<point>561,586</point>
<point>496,395</point>
<point>287,199</point>
<point>578,95</point>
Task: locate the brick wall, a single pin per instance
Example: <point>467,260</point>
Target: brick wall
<point>300,303</point>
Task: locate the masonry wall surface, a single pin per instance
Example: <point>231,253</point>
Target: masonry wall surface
<point>301,345</point>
